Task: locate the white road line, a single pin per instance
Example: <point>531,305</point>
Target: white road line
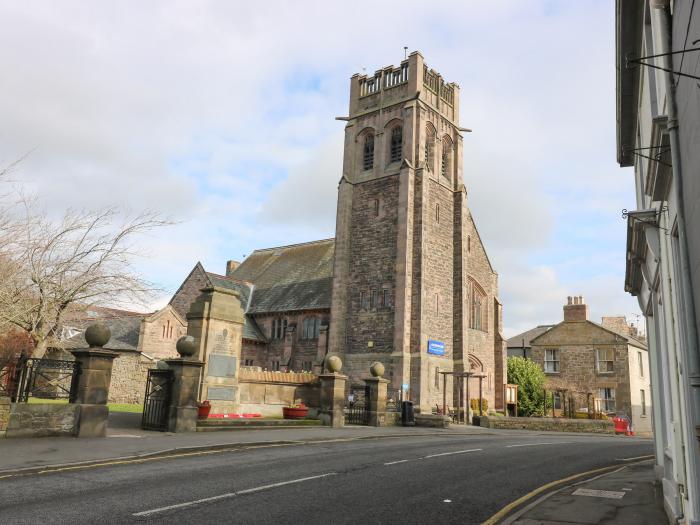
<point>451,453</point>
<point>228,495</point>
<point>537,444</point>
<point>395,462</point>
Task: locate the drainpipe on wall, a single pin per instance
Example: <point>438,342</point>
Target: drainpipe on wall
<point>688,312</point>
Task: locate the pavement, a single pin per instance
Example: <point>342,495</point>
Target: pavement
<point>309,475</point>
<point>626,496</point>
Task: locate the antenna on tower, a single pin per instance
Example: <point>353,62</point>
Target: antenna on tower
<point>405,52</point>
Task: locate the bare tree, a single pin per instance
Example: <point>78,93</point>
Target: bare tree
<point>84,259</point>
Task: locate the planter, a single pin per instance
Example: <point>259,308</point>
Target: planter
<point>295,412</point>
<point>203,410</point>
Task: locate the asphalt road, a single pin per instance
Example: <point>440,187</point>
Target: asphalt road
<point>423,479</point>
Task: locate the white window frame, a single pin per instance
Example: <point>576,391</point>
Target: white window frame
<point>553,361</point>
<point>605,366</point>
<point>607,404</point>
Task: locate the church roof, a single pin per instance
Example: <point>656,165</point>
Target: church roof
<point>289,278</point>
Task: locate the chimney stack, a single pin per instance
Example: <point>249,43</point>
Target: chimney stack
<point>231,267</point>
<point>575,309</point>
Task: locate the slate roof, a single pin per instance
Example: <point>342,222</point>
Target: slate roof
<point>523,340</point>
<point>289,278</point>
<point>125,333</point>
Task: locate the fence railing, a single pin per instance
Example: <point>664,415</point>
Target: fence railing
<point>24,378</point>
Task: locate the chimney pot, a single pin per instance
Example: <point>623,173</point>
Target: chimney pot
<point>568,300</point>
<point>575,309</point>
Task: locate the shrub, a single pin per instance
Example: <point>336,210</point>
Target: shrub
<point>474,404</point>
<point>530,380</point>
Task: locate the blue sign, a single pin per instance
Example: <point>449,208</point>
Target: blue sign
<point>436,347</point>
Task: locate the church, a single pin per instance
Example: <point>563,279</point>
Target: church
<point>406,281</point>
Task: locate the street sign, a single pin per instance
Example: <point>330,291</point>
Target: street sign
<point>436,347</point>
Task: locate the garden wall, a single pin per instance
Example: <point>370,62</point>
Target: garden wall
<point>4,414</point>
<point>553,424</point>
<point>42,420</point>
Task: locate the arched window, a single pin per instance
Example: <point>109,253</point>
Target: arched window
<point>429,148</point>
<point>396,144</point>
<point>478,307</point>
<point>445,169</point>
<point>368,152</point>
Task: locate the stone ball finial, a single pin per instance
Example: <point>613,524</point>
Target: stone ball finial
<point>376,369</point>
<point>333,363</point>
<point>97,334</point>
<point>186,346</point>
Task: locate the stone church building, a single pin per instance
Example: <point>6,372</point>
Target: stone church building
<point>406,280</point>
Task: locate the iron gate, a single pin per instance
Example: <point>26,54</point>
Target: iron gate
<point>24,377</point>
<point>357,407</point>
<point>156,403</point>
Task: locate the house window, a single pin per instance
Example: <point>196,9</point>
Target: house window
<point>605,359</point>
<point>364,300</point>
<point>306,366</point>
<point>640,362</point>
<point>368,152</point>
<point>375,205</point>
<point>386,301</point>
<point>556,400</point>
<point>248,362</point>
<point>396,144</point>
<point>279,328</point>
<point>551,361</point>
<point>643,399</point>
<point>607,399</point>
<point>275,366</point>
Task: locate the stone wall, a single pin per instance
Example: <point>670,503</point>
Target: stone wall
<point>553,424</point>
<point>129,373</point>
<point>268,392</point>
<point>43,420</point>
<point>4,414</point>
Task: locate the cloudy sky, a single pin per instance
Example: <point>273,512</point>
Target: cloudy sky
<point>221,115</point>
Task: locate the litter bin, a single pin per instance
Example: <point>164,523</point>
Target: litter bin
<point>407,416</point>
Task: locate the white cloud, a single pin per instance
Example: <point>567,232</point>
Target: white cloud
<point>221,115</point>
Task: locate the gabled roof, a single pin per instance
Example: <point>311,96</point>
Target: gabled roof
<point>289,278</point>
<point>125,333</point>
<point>481,242</point>
<point>523,340</point>
<point>611,336</point>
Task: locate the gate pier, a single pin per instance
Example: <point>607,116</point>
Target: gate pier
<point>186,377</point>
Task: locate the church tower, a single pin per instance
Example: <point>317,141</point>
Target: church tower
<point>400,271</point>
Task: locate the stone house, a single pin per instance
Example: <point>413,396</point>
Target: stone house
<point>519,345</point>
<point>140,339</point>
<point>605,362</point>
<point>406,280</point>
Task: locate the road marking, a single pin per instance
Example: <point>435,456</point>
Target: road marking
<point>395,462</point>
<point>451,453</point>
<point>593,493</point>
<point>229,495</point>
<point>537,444</point>
<point>124,436</point>
<point>633,459</point>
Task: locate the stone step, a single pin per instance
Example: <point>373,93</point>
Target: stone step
<point>208,425</point>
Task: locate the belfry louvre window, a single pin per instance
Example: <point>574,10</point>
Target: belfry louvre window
<point>605,360</point>
<point>429,150</point>
<point>551,361</point>
<point>368,153</point>
<point>396,146</point>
